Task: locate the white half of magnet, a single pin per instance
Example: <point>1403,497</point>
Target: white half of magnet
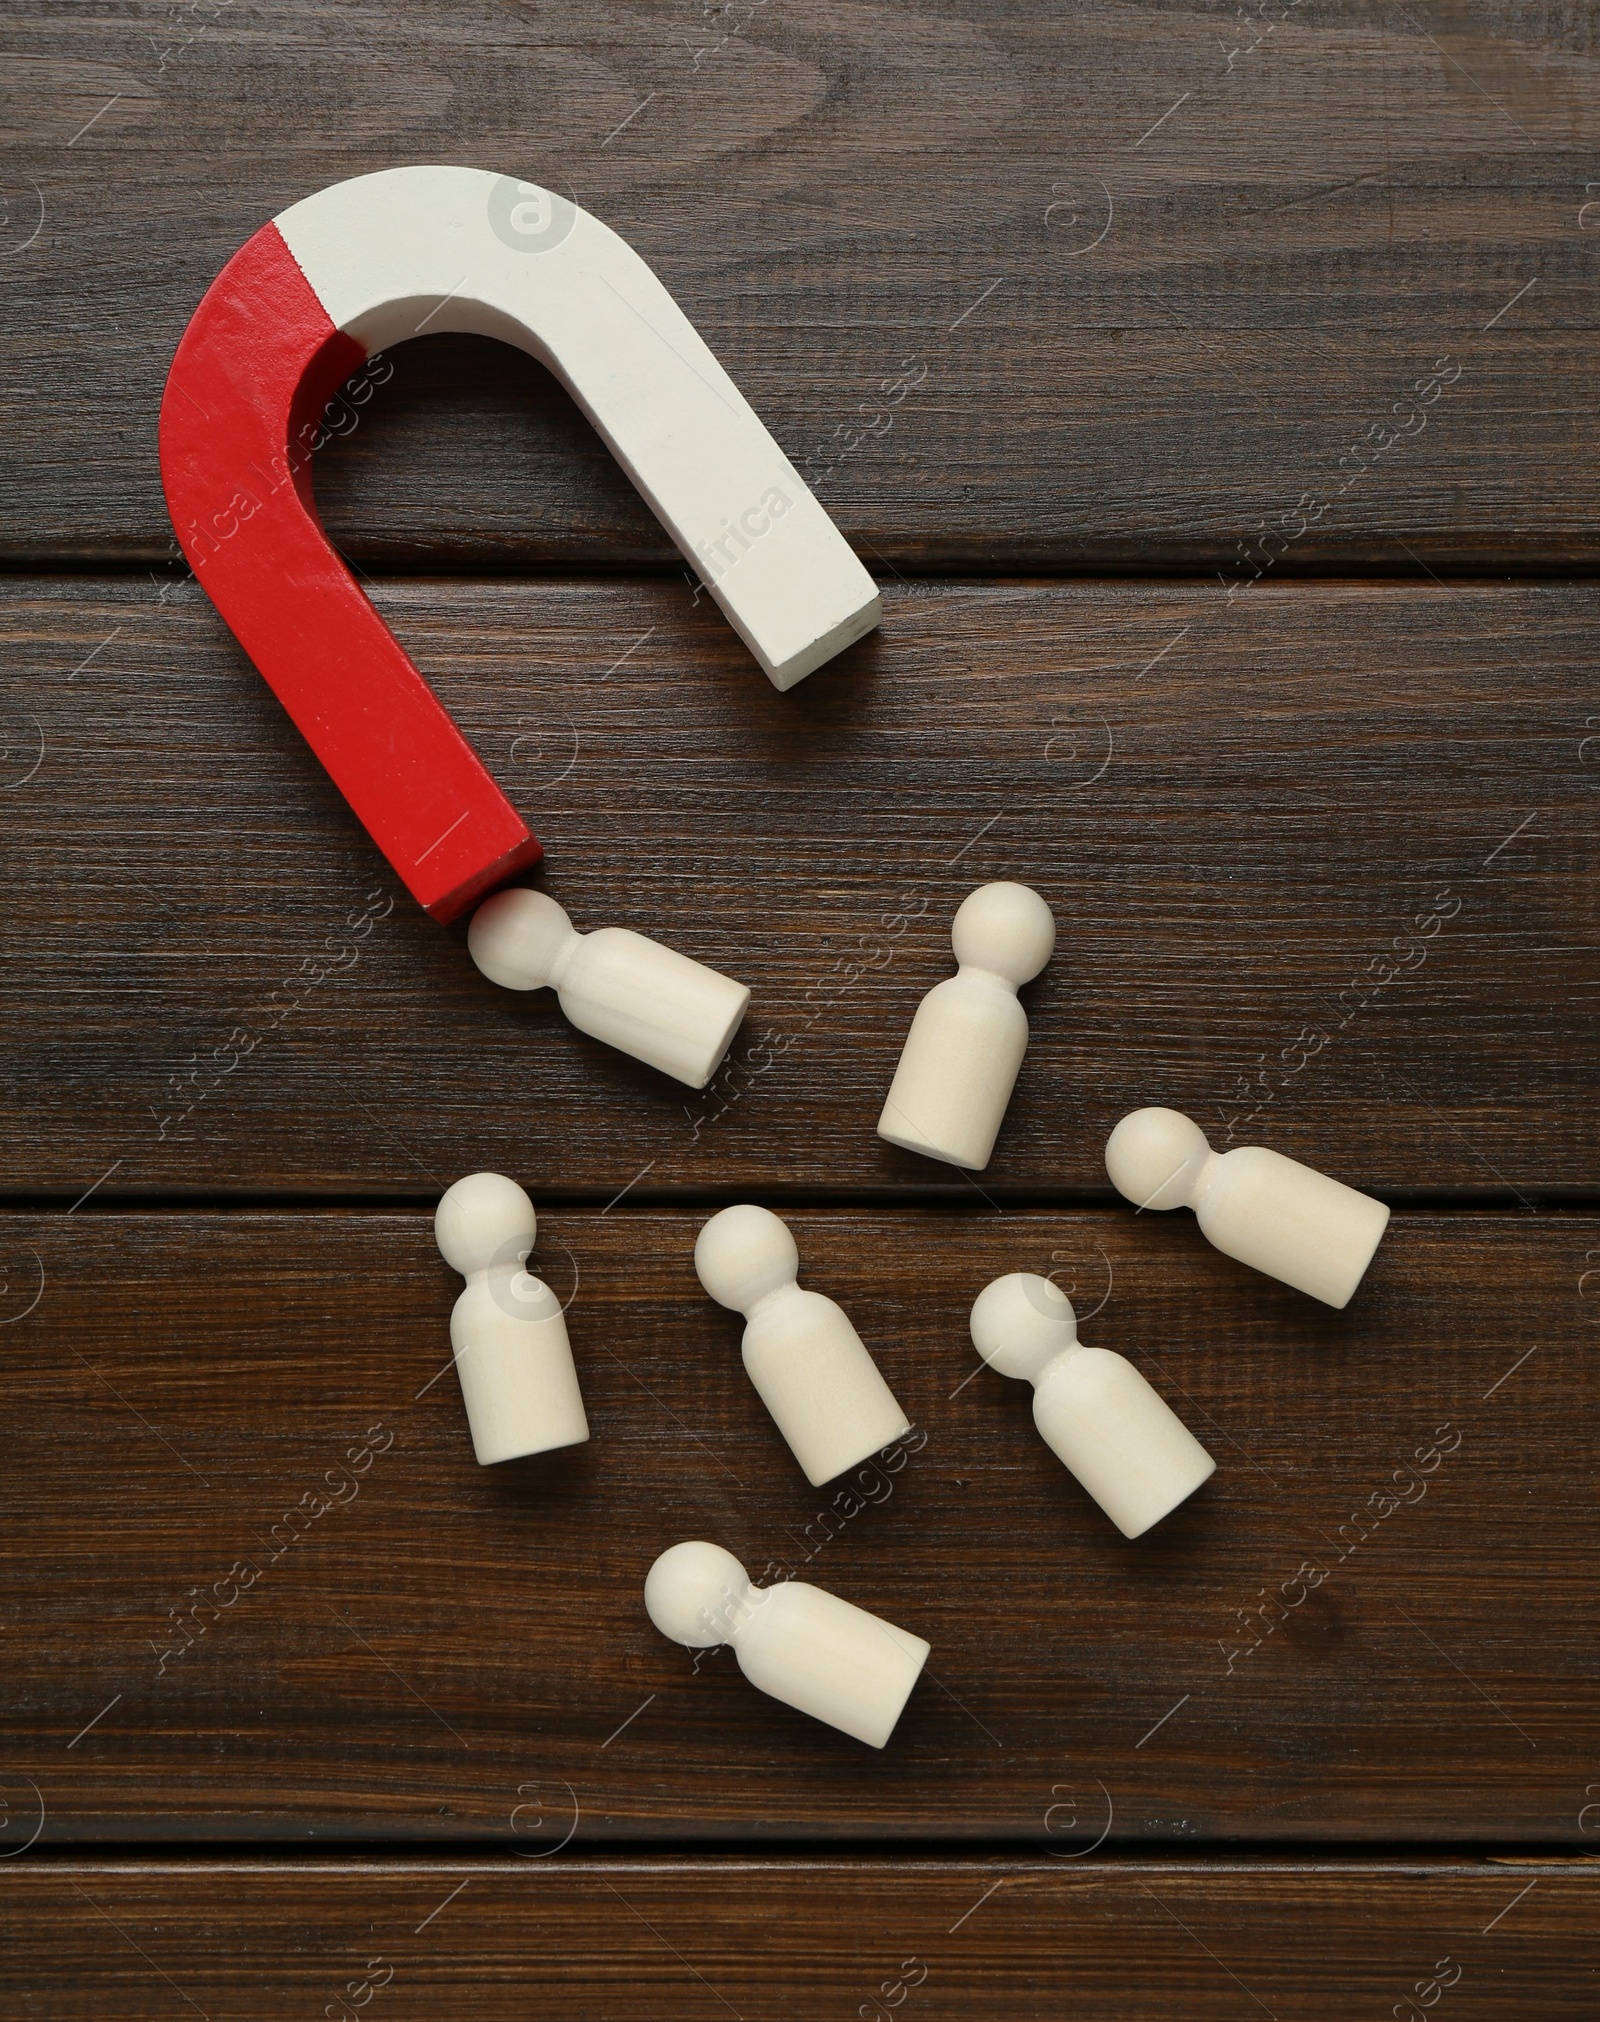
<point>433,249</point>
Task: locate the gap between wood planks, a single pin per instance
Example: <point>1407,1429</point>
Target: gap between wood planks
<point>380,563</point>
<point>950,1200</point>
<point>1120,1857</point>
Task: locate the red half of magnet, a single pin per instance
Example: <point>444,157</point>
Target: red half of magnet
<point>240,421</point>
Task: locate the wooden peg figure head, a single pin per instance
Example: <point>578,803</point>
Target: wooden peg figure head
<point>1004,928</point>
<point>744,1254</point>
<point>521,939</point>
<point>485,1221</point>
<point>1021,1323</point>
<point>698,1594</point>
<point>1155,1158</point>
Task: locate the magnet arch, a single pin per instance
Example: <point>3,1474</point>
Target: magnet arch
<point>297,312</point>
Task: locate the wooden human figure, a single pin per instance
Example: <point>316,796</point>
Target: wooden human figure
<point>961,1056</point>
<point>1094,1410</point>
<point>508,1331</point>
<point>809,1365</point>
<point>796,1642</point>
<point>1268,1211</point>
<point>616,985</point>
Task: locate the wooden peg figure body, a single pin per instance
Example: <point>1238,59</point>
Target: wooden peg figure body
<point>808,1364</point>
<point>1094,1410</point>
<point>795,1642</point>
<point>1255,1205</point>
<point>619,987</point>
<point>966,1043</point>
<point>512,1354</point>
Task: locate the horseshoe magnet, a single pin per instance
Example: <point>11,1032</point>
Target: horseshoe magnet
<point>367,263</point>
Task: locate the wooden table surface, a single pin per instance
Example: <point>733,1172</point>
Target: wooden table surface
<point>1212,392</point>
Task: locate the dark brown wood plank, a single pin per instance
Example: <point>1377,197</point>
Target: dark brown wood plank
<point>803,1939</point>
<point>1377,1623</point>
<point>1241,812</point>
<point>1153,271</point>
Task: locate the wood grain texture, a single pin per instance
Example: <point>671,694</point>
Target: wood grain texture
<point>583,1940</point>
<point>1322,860</point>
<point>1376,1622</point>
<point>1153,270</point>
